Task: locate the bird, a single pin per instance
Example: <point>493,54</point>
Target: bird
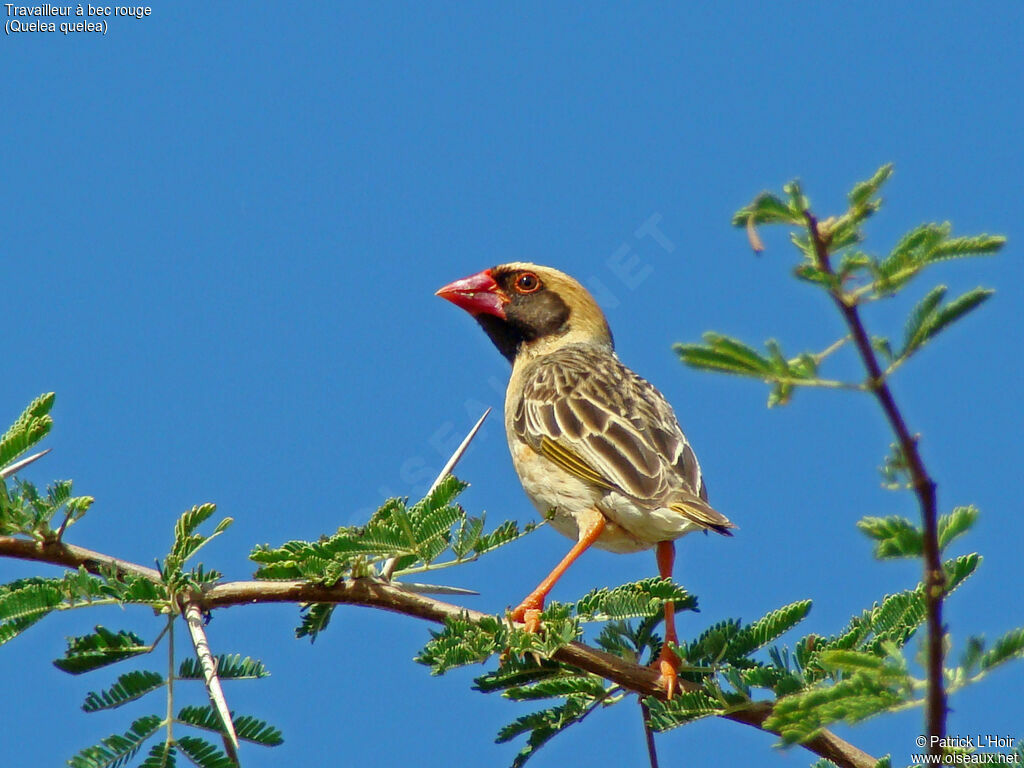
<point>597,448</point>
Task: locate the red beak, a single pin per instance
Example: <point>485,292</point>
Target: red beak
<point>477,294</point>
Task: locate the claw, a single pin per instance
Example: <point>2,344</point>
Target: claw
<point>668,666</point>
<point>527,614</point>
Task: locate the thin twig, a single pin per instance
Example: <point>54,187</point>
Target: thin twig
<point>924,488</point>
<point>392,597</point>
<point>388,570</point>
<point>652,749</point>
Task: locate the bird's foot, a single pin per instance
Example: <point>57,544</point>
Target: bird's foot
<point>528,614</point>
<point>668,665</point>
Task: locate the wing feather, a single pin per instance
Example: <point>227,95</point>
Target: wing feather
<point>593,417</point>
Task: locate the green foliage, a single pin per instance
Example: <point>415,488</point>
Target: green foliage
<point>896,536</point>
<point>160,755</point>
<point>683,708</point>
<point>25,511</point>
<point>641,598</point>
<point>766,629</point>
<point>28,429</point>
<point>527,673</point>
<point>203,753</point>
<point>230,666</point>
<point>26,601</point>
<point>895,470</point>
<point>416,536</point>
<point>531,679</point>
<point>800,716</point>
<point>246,727</point>
<point>546,724</point>
<point>315,618</point>
<point>117,750</point>
<point>463,642</point>
<point>187,542</point>
<point>957,522</point>
<point>1009,646</point>
<point>129,687</point>
<point>728,355</point>
<point>98,649</point>
<point>930,317</point>
<point>850,275</point>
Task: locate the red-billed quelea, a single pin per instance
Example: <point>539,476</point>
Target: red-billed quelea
<point>592,442</point>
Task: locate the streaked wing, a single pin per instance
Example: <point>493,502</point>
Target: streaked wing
<point>593,417</point>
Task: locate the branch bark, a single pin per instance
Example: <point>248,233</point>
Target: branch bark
<point>392,597</point>
<point>924,488</point>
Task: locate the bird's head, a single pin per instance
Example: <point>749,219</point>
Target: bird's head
<point>529,308</point>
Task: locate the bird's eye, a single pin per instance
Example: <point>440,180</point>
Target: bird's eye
<point>527,282</point>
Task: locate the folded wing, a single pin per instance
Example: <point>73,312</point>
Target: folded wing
<point>593,417</point>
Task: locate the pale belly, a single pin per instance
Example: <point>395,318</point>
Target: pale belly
<point>629,528</point>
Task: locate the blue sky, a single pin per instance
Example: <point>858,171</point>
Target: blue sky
<point>223,226</point>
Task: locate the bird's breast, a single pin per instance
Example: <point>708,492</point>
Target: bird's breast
<point>563,498</point>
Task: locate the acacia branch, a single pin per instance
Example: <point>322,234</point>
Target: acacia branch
<point>392,597</point>
<point>924,488</point>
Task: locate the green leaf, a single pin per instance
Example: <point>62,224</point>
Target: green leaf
<point>229,667</point>
<point>514,672</point>
<point>463,642</point>
<point>544,725</point>
<point>954,524</point>
<point>641,598</point>
<point>910,255</point>
<point>160,756</point>
<point>959,247</point>
<point>504,534</point>
<point>315,618</point>
<point>958,570</point>
<point>798,203</point>
<point>928,320</point>
<point>28,429</point>
<point>725,354</point>
<point>99,649</point>
<point>1009,646</point>
<point>812,273</point>
<point>863,191</point>
<point>466,536</point>
<point>766,209</point>
<point>919,318</point>
<point>558,687</point>
<point>798,717</point>
<point>895,470</point>
<point>204,754</point>
<point>187,542</point>
<point>766,629</point>
<point>129,687</point>
<point>116,750</point>
<point>24,602</point>
<point>852,661</point>
<point>896,536</point>
<point>683,708</point>
<point>247,727</point>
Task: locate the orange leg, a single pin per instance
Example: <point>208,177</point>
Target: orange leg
<point>528,611</point>
<point>668,662</point>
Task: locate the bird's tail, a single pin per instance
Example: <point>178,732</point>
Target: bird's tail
<point>697,510</point>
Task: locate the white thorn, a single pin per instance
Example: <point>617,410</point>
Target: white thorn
<point>13,468</point>
<point>194,619</point>
<point>389,566</point>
